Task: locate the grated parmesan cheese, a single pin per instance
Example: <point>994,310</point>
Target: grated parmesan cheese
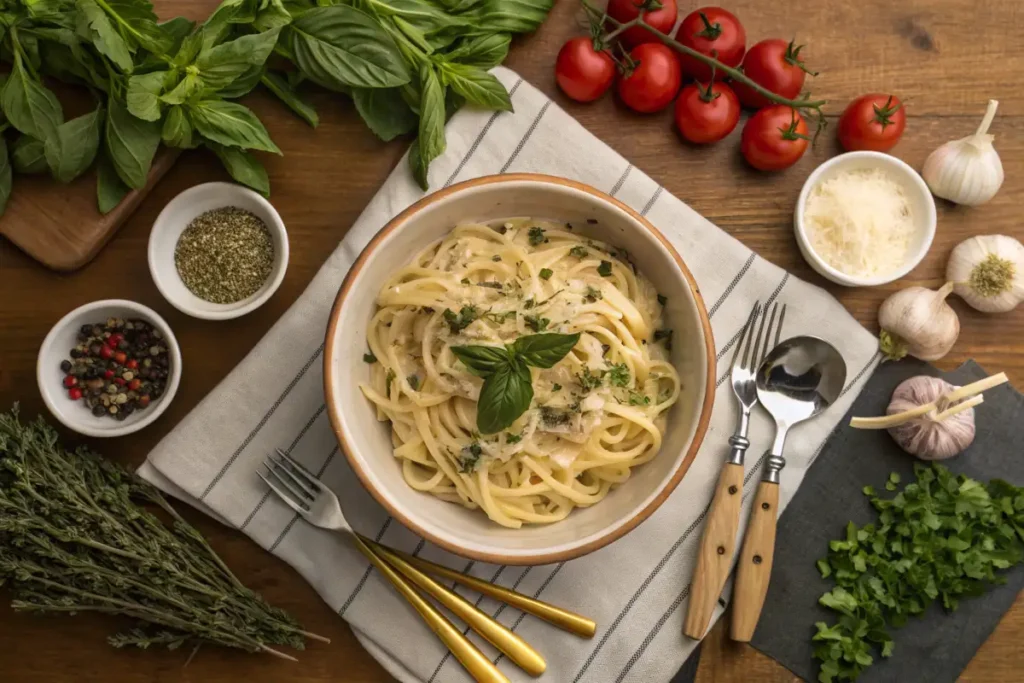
<point>860,223</point>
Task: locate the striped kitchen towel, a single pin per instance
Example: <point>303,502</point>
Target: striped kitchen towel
<point>636,588</point>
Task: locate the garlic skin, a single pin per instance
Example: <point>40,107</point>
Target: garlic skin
<point>926,437</point>
<point>988,272</point>
<point>966,171</point>
<point>917,321</point>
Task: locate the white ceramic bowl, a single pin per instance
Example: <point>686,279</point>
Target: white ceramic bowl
<point>63,337</point>
<point>367,442</point>
<point>173,220</point>
<point>922,205</point>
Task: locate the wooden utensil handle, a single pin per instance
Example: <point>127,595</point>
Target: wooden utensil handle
<point>755,564</point>
<point>716,550</point>
<point>478,666</point>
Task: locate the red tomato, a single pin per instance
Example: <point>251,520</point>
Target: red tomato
<point>775,65</point>
<point>703,116</point>
<point>662,18</point>
<point>711,31</point>
<point>583,73</point>
<point>873,121</point>
<point>654,82</point>
<point>774,138</point>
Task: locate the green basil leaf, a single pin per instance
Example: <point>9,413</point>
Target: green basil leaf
<point>29,106</point>
<point>544,350</point>
<point>482,361</point>
<point>28,155</point>
<point>186,88</point>
<point>136,20</point>
<point>477,86</point>
<point>108,41</point>
<point>110,189</point>
<point>280,86</point>
<point>189,48</point>
<point>505,396</point>
<point>430,143</point>
<point>384,111</point>
<point>243,167</point>
<point>220,66</point>
<point>273,15</point>
<point>244,84</point>
<point>131,143</point>
<point>341,46</point>
<point>177,129</point>
<point>483,51</point>
<point>72,150</point>
<point>144,95</point>
<point>231,124</point>
<point>414,35</point>
<point>509,16</point>
<point>177,29</point>
<point>5,175</point>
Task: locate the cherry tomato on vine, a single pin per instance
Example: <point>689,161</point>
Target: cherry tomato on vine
<point>873,122</point>
<point>583,73</point>
<point>654,81</point>
<point>659,14</point>
<point>774,138</point>
<point>715,32</point>
<point>706,113</point>
<point>776,65</point>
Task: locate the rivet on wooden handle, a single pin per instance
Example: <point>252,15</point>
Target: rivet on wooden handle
<point>754,570</point>
<point>716,550</point>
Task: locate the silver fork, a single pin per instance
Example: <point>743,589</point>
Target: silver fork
<point>719,541</point>
<point>318,505</point>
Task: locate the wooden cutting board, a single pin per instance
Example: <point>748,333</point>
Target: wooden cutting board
<point>60,225</point>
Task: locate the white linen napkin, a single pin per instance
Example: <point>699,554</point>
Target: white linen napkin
<point>636,588</point>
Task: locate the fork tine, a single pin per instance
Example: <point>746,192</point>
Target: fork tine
<point>738,354</point>
<point>778,330</point>
<point>282,495</point>
<point>754,361</point>
<point>296,497</point>
<point>768,336</point>
<point>279,467</point>
<point>311,479</point>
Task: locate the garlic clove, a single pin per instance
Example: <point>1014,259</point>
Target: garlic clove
<point>917,321</point>
<point>988,272</point>
<point>966,171</point>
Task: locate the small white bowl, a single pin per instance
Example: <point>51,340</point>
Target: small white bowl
<point>922,205</point>
<point>64,336</point>
<point>173,220</point>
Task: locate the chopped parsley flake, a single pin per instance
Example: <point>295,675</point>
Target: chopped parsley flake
<point>529,303</point>
<point>368,357</point>
<point>499,318</point>
<point>469,458</point>
<point>553,417</point>
<point>465,317</point>
<point>605,348</point>
<point>619,375</point>
<point>501,229</point>
<point>495,258</point>
<point>593,294</point>
<point>546,273</point>
<point>666,335</point>
<point>556,387</point>
<point>465,281</point>
<point>590,380</point>
<point>605,269</point>
<point>513,438</point>
<point>413,381</point>
<point>536,236</point>
<point>662,299</point>
<point>388,379</point>
<point>536,323</point>
<point>490,285</point>
<point>637,399</point>
<point>578,251</point>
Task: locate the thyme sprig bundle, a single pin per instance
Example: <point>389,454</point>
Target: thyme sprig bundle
<point>74,537</point>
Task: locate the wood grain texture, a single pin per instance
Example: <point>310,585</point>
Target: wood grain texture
<point>754,566</point>
<point>942,56</point>
<point>717,546</point>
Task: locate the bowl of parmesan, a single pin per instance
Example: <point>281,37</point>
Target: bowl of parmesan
<point>864,219</point>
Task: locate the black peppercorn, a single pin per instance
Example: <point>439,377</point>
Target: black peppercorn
<point>99,411</point>
<point>65,366</point>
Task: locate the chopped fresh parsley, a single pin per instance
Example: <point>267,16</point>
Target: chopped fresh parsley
<point>499,318</point>
<point>529,303</point>
<point>619,375</point>
<point>662,299</point>
<point>664,335</point>
<point>593,294</point>
<point>556,387</point>
<point>590,380</point>
<point>388,379</point>
<point>368,357</point>
<point>554,417</point>
<point>605,269</point>
<point>501,229</point>
<point>465,281</point>
<point>536,323</point>
<point>465,317</point>
<point>638,399</point>
<point>546,273</point>
<point>536,236</point>
<point>469,458</point>
<point>490,285</point>
<point>578,251</point>
<point>605,348</point>
<point>414,382</point>
<point>496,258</point>
<point>513,438</point>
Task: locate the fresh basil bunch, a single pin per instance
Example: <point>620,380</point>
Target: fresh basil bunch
<point>407,64</point>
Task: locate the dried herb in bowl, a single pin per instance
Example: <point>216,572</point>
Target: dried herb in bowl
<point>75,537</point>
<point>224,255</point>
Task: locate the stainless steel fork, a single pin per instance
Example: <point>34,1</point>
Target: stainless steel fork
<point>719,541</point>
<point>309,497</point>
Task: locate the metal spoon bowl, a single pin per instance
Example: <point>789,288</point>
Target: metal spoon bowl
<point>798,379</point>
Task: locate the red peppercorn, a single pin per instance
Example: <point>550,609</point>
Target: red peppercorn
<point>70,381</point>
<point>74,393</point>
<point>114,339</point>
<point>107,374</point>
<point>144,400</point>
<point>120,357</point>
<point>106,352</point>
<point>132,364</point>
<point>119,381</point>
<point>134,385</point>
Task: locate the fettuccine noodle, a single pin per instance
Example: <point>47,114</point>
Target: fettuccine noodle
<point>595,415</point>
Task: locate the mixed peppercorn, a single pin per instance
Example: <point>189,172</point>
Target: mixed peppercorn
<point>117,367</point>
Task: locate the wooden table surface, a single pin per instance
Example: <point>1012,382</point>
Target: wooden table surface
<point>945,58</point>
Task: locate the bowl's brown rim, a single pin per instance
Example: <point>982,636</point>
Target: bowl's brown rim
<point>332,401</point>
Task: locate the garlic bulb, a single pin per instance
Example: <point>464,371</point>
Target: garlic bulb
<point>988,272</point>
<point>927,436</point>
<point>918,321</point>
<point>966,171</point>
